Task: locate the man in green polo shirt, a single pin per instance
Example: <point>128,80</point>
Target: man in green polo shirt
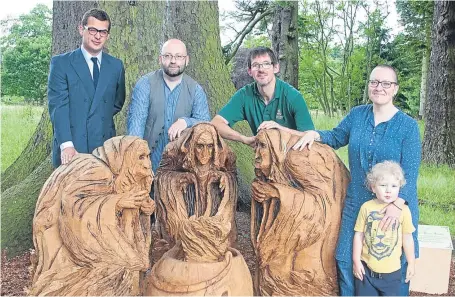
<point>265,104</point>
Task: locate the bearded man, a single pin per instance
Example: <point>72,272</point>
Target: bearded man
<point>166,101</point>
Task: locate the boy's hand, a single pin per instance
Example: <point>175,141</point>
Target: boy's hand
<point>410,272</point>
<point>358,270</point>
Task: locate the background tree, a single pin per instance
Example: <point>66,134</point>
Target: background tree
<point>249,13</point>
<point>26,53</point>
<point>239,75</point>
<point>285,40</point>
<point>416,17</point>
<point>439,137</point>
<point>139,28</point>
<point>376,35</point>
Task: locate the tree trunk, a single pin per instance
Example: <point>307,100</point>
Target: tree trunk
<point>139,28</point>
<point>239,75</point>
<point>439,138</point>
<point>423,82</point>
<point>425,65</point>
<point>285,40</point>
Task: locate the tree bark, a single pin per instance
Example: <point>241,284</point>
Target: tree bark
<point>425,65</point>
<point>439,139</point>
<point>239,75</point>
<point>285,41</point>
<point>423,82</point>
<point>138,30</point>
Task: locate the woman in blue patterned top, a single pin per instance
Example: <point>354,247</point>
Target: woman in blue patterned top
<point>374,133</point>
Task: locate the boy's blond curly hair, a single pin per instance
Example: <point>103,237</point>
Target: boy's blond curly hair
<point>386,167</point>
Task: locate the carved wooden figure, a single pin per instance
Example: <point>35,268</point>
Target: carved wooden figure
<point>196,196</point>
<point>91,228</point>
<point>197,178</point>
<point>295,216</point>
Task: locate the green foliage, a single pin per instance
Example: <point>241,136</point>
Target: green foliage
<point>26,53</point>
<point>338,51</point>
<point>253,40</point>
<point>415,16</point>
<point>18,124</point>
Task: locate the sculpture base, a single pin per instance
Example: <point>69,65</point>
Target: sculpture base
<point>173,276</point>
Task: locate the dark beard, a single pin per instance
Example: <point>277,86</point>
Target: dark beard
<point>168,73</point>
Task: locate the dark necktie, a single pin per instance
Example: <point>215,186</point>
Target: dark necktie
<point>96,71</point>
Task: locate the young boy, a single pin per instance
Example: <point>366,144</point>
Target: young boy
<point>376,253</point>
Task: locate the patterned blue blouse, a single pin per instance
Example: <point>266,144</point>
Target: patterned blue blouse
<point>397,140</point>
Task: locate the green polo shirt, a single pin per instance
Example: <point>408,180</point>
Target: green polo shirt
<point>287,108</point>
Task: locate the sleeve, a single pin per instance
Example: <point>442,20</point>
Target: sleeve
<point>302,116</point>
<point>234,111</point>
<point>361,219</point>
<point>58,101</point>
<point>410,162</point>
<point>120,92</point>
<point>338,136</point>
<point>200,110</point>
<point>408,227</point>
<point>139,107</point>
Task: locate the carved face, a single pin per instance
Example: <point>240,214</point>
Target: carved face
<point>142,166</point>
<point>263,156</point>
<point>204,148</point>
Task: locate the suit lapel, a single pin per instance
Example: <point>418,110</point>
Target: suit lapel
<point>105,74</point>
<point>80,66</point>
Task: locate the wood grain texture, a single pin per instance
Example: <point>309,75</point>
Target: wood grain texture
<point>91,228</point>
<point>196,195</point>
<point>295,217</point>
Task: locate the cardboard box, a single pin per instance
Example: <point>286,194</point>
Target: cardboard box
<point>433,265</point>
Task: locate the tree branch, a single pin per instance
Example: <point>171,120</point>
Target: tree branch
<point>247,29</point>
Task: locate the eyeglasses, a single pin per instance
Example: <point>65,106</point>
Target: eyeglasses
<point>384,84</point>
<point>265,65</point>
<point>169,57</point>
<point>93,31</point>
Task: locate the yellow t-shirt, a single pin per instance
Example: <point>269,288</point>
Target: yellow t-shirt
<point>381,250</point>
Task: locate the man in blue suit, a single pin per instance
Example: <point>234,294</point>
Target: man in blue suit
<point>86,88</point>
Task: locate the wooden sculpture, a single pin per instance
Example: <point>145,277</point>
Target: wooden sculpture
<point>201,263</point>
<point>295,216</point>
<point>196,196</point>
<point>91,228</point>
<point>197,178</point>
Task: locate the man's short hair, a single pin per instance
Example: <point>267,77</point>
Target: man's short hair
<point>98,14</point>
<point>261,51</point>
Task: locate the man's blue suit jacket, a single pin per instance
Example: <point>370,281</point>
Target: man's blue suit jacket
<point>78,112</point>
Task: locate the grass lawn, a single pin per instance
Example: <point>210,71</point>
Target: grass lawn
<point>18,122</point>
<point>435,186</point>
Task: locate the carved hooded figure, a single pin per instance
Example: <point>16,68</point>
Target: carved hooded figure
<point>196,178</point>
<point>196,194</point>
<point>295,215</point>
<point>91,228</point>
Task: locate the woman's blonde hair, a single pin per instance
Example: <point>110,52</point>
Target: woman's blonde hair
<point>379,170</point>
